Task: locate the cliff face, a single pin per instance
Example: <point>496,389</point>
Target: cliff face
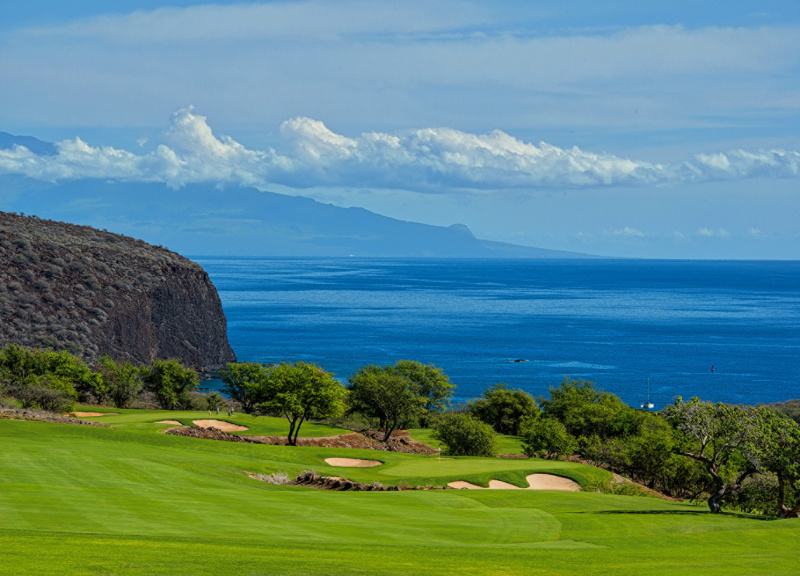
<point>91,292</point>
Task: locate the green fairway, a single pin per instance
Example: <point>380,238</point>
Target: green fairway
<point>101,501</point>
<point>256,425</point>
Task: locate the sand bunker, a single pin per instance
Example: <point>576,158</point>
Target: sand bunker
<point>219,425</point>
<point>551,482</point>
<point>352,462</point>
<point>535,482</point>
<point>92,414</point>
<point>173,422</point>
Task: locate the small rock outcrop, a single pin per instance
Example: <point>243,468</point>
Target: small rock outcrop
<point>91,292</point>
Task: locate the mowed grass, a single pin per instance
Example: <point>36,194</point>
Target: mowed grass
<point>145,420</point>
<point>87,500</point>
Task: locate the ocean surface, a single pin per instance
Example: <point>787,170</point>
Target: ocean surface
<point>528,323</point>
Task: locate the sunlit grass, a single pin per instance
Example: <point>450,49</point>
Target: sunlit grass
<point>131,501</point>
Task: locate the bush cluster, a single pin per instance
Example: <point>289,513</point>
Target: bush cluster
<point>55,381</point>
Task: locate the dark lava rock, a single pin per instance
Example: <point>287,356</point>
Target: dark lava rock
<point>91,292</point>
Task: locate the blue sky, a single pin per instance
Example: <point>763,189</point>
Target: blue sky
<point>615,128</point>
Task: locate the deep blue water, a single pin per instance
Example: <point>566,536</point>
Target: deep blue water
<point>615,322</point>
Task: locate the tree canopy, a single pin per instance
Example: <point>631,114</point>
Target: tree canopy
<point>504,409</point>
<point>301,391</point>
<point>245,383</point>
<point>464,435</point>
<point>722,437</point>
<point>382,393</point>
<point>429,383</point>
<point>170,382</point>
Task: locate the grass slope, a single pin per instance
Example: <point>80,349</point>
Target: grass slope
<point>256,425</point>
<point>85,500</point>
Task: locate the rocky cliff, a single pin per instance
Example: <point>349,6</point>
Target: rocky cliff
<point>91,292</point>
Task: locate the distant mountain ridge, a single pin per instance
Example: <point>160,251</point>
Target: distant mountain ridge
<point>202,219</point>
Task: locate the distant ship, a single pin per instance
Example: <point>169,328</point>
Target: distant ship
<point>647,405</point>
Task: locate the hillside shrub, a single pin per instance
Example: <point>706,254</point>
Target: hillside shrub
<point>547,438</point>
<point>464,435</point>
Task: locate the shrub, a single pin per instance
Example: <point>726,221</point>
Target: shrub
<point>547,437</point>
<point>465,435</point>
<point>45,397</point>
<point>504,409</point>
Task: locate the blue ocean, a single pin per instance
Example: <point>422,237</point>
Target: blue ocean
<point>724,331</point>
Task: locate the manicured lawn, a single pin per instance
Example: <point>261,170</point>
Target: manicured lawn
<point>257,425</point>
<point>87,500</point>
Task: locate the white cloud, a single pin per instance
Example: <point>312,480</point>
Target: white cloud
<point>467,64</point>
<point>708,233</point>
<point>627,231</point>
<point>437,160</point>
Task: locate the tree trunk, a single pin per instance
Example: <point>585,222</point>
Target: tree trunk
<point>389,429</point>
<point>297,431</point>
<point>715,501</point>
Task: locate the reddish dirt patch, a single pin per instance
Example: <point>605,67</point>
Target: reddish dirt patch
<point>93,414</point>
<point>399,441</point>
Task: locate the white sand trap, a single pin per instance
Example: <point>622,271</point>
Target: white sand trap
<point>220,425</point>
<point>500,485</point>
<point>493,485</point>
<point>461,484</point>
<point>352,462</point>
<point>92,414</point>
<point>535,482</point>
<point>551,482</point>
<point>173,422</point>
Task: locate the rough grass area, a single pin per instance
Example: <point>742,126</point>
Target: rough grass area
<point>101,501</point>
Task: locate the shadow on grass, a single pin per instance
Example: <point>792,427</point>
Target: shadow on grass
<point>685,513</point>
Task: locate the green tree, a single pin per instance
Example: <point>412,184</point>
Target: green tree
<point>171,383</point>
<point>585,410</point>
<point>780,454</point>
<point>301,391</point>
<point>722,437</point>
<point>465,435</point>
<point>430,384</point>
<point>121,380</point>
<point>547,437</point>
<point>21,368</point>
<point>504,409</point>
<point>245,383</point>
<point>380,392</point>
<point>87,384</point>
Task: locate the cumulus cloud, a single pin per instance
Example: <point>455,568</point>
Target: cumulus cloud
<point>437,160</point>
